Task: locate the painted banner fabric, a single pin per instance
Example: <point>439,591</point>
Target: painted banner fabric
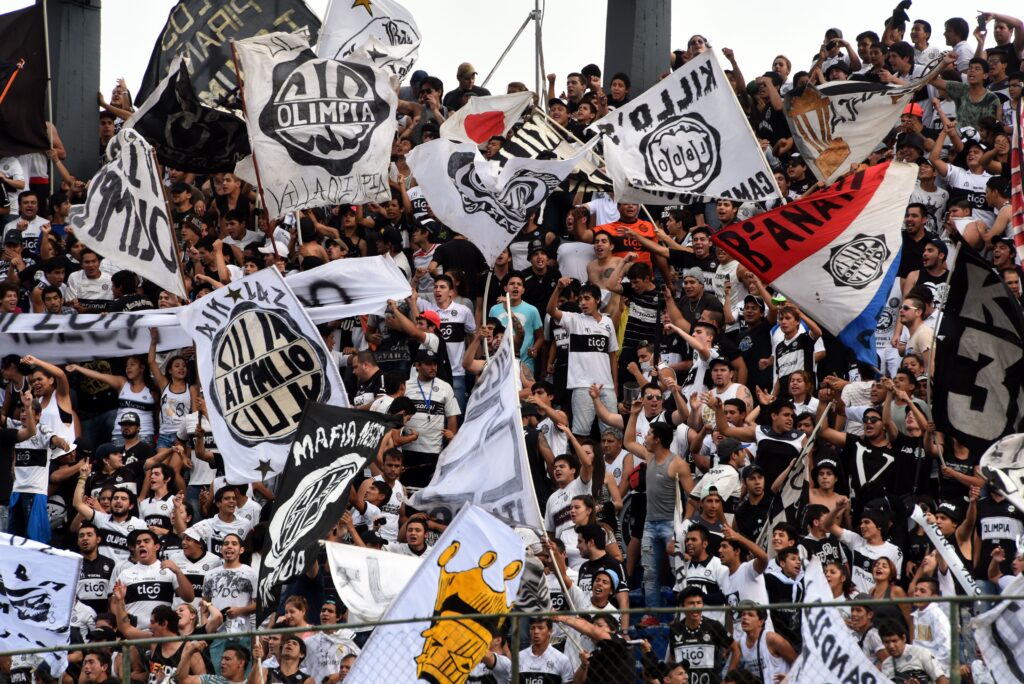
<point>978,388</point>
<point>835,253</point>
<point>320,129</point>
<point>1000,632</point>
<point>339,289</point>
<point>331,447</point>
<point>537,138</point>
<point>260,360</point>
<point>486,464</point>
<point>483,117</point>
<point>482,200</point>
<point>23,114</point>
<point>368,580</point>
<point>203,31</point>
<point>380,31</point>
<point>125,218</point>
<point>1002,465</point>
<point>186,134</point>
<point>38,597</point>
<point>474,568</point>
<point>685,136</point>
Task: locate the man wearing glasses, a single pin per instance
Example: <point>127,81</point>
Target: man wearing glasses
<point>922,337</point>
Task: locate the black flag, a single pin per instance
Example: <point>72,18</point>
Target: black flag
<point>203,31</point>
<point>331,447</point>
<point>23,110</point>
<point>186,134</point>
<point>979,385</point>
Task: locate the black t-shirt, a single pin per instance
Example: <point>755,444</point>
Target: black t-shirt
<point>827,549</point>
<point>704,648</point>
<point>94,583</point>
<point>135,457</point>
<point>750,518</point>
<point>644,321</point>
<point>756,344</point>
<point>913,250</point>
<point>871,469</point>
<point>913,468</point>
<point>8,438</point>
<point>538,288</point>
<point>999,524</point>
<point>794,355</point>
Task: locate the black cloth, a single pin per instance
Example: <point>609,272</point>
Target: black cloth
<point>452,101</point>
<point>464,256</point>
<point>611,662</point>
<point>750,517</point>
<point>8,438</point>
<point>585,577</point>
<point>538,288</point>
<point>913,250</point>
<point>756,344</point>
<point>871,469</point>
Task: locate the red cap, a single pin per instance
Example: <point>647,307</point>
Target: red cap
<point>431,317</point>
<point>914,109</point>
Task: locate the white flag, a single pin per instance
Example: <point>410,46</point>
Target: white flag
<point>830,653</point>
<point>1002,465</point>
<point>37,598</point>
<point>956,566</point>
<point>368,580</point>
<point>485,202</point>
<point>481,118</point>
<point>473,569</point>
<point>125,216</point>
<point>486,464</point>
<point>320,130</point>
<point>380,31</point>
<point>685,136</point>
<point>1000,635</point>
<point>260,361</point>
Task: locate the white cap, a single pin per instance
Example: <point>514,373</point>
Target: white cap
<point>277,246</point>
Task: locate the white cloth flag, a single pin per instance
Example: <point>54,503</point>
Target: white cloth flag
<point>1003,466</point>
<point>483,117</point>
<point>486,464</point>
<point>336,290</point>
<point>956,566</point>
<point>686,135</point>
<point>1000,635</point>
<point>37,598</point>
<point>260,360</point>
<point>368,580</point>
<point>830,653</point>
<point>125,216</point>
<point>838,124</point>
<point>320,130</point>
<point>474,568</point>
<point>479,199</point>
<point>381,31</point>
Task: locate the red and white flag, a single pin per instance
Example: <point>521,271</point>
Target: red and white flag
<point>834,253</point>
<point>1017,182</point>
<point>484,117</point>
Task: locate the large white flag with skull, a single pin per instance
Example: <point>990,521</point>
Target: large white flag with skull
<point>485,202</point>
<point>320,129</point>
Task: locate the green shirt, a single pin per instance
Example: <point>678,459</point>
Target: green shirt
<point>968,112</point>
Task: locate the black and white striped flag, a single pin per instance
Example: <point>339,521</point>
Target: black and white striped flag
<point>535,138</point>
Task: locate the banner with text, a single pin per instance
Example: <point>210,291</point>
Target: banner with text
<point>261,360</point>
<point>381,32</point>
<point>368,580</point>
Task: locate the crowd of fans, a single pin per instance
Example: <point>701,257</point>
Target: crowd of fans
<point>654,367</point>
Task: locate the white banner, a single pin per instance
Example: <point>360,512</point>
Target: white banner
<point>485,202</point>
<point>483,117</point>
<point>686,135</point>
<point>1000,635</point>
<point>339,289</point>
<point>260,360</point>
<point>486,464</point>
<point>956,566</point>
<point>828,646</point>
<point>1003,466</point>
<point>368,580</point>
<point>37,597</point>
<point>474,568</point>
<point>124,217</point>
<point>381,31</point>
<point>321,130</point>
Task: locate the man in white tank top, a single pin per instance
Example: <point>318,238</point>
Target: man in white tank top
<point>763,653</point>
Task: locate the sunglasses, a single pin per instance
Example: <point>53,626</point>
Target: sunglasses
<point>908,308</point>
<point>871,421</point>
<point>652,397</point>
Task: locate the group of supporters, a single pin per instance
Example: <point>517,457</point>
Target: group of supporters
<point>667,394</point>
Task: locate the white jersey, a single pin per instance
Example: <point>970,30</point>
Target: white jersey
<point>326,650</point>
<point>195,571</point>
<point>213,530</point>
<point>202,472</point>
<point>558,520</point>
<point>590,342</point>
<point>389,530</point>
<point>435,402</point>
<point>32,464</point>
<point>931,631</point>
<point>863,556</point>
<point>617,466</point>
<point>457,323</point>
<point>550,667</point>
<point>759,661</point>
<point>555,438</point>
<point>142,403</point>
<point>746,584</point>
<point>157,512</point>
<point>694,381</point>
<point>114,535</point>
<point>232,587</point>
<point>915,662</point>
<point>146,587</point>
<point>86,289</point>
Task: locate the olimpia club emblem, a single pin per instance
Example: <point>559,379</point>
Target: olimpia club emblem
<point>323,112</point>
<point>523,191</point>
<point>264,373</point>
<point>683,153</point>
<point>859,262</point>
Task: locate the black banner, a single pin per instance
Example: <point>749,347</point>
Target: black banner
<point>186,134</point>
<point>979,386</point>
<point>203,31</point>
<point>23,110</point>
<point>331,446</point>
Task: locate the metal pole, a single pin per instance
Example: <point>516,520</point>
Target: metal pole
<point>513,650</point>
<point>126,665</point>
<point>494,68</point>
<point>49,96</point>
<point>538,69</point>
<point>954,642</point>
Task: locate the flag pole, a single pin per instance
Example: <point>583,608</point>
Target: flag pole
<point>10,81</point>
<point>255,164</point>
<point>170,220</point>
<point>487,291</point>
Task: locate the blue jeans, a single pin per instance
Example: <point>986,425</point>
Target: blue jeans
<point>653,550</point>
<point>163,441</point>
<point>459,385</point>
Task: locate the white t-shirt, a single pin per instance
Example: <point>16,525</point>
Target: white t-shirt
<point>147,586</point>
<point>435,402</point>
<point>457,323</point>
<point>556,510</point>
<point>369,517</point>
<point>389,511</point>
<point>590,342</point>
<point>974,185</point>
<point>114,535</point>
<point>746,584</point>
<point>88,289</point>
<point>863,555</point>
<point>573,258</point>
<point>11,167</point>
<point>549,667</point>
<point>213,530</point>
<point>232,587</point>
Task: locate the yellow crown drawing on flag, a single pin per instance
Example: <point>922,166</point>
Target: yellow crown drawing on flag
<point>453,647</point>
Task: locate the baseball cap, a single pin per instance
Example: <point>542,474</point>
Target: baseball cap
<point>752,470</point>
<point>536,246</point>
<point>795,158</point>
<point>130,418</point>
<point>914,109</point>
<point>431,317</point>
<point>728,446</point>
<point>754,299</point>
<point>556,101</point>
<point>826,463</point>
<point>940,245</point>
<point>912,140</point>
<point>465,69</point>
<point>426,356</point>
<point>12,237</point>
<point>950,510</point>
<point>277,246</point>
<point>181,186</point>
<point>841,65</point>
<point>105,450</point>
<point>418,76</point>
<point>718,361</point>
<point>612,575</point>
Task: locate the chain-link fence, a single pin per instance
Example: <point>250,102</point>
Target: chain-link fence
<point>899,640</point>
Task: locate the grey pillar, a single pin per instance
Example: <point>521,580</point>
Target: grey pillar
<point>74,34</point>
<point>637,35</point>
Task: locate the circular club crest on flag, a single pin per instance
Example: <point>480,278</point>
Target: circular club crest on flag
<point>324,112</point>
<point>683,153</point>
<point>264,373</point>
<point>859,262</point>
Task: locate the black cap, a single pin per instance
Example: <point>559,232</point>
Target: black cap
<point>181,186</point>
<point>729,446</point>
<point>752,470</point>
<point>839,64</point>
<point>939,245</point>
<point>718,361</point>
<point>951,511</point>
<point>556,101</point>
<point>105,450</point>
<point>426,356</point>
<point>795,158</point>
<point>12,237</point>
<point>755,299</point>
<point>826,463</point>
<point>390,236</point>
<point>130,418</point>
<point>536,246</point>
